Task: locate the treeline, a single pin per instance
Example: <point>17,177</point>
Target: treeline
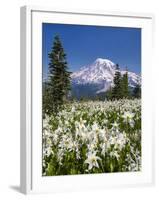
<point>121,87</point>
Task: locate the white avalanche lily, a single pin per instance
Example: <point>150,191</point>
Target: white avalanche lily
<point>98,130</point>
<point>128,115</point>
<point>92,160</point>
<point>115,125</point>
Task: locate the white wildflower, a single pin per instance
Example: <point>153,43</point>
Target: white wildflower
<point>92,160</point>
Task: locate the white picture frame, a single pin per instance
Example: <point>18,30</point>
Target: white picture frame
<point>31,180</point>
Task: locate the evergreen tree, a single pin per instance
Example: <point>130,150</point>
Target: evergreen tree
<point>47,105</point>
<point>116,91</point>
<point>137,91</point>
<point>59,76</point>
<point>125,85</point>
<point>109,94</point>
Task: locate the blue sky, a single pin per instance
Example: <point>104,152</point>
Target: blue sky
<point>83,44</point>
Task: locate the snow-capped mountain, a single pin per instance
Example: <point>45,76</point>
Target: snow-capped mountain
<point>101,74</point>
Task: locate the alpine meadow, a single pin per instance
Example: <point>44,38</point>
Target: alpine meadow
<point>91,99</point>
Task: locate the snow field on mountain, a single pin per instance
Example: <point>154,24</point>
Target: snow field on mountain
<point>102,70</point>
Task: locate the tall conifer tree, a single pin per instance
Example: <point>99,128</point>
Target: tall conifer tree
<point>59,76</point>
<point>137,91</point>
<point>125,85</point>
<point>116,92</point>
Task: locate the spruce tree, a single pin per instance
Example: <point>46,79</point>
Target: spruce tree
<point>59,76</point>
<point>109,94</point>
<point>47,99</point>
<point>125,85</point>
<point>116,91</point>
<point>137,91</point>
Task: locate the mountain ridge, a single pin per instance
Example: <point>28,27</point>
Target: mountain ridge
<point>101,73</point>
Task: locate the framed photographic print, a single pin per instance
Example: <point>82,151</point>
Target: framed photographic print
<point>86,100</point>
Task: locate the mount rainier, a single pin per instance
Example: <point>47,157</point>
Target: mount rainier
<point>98,77</point>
